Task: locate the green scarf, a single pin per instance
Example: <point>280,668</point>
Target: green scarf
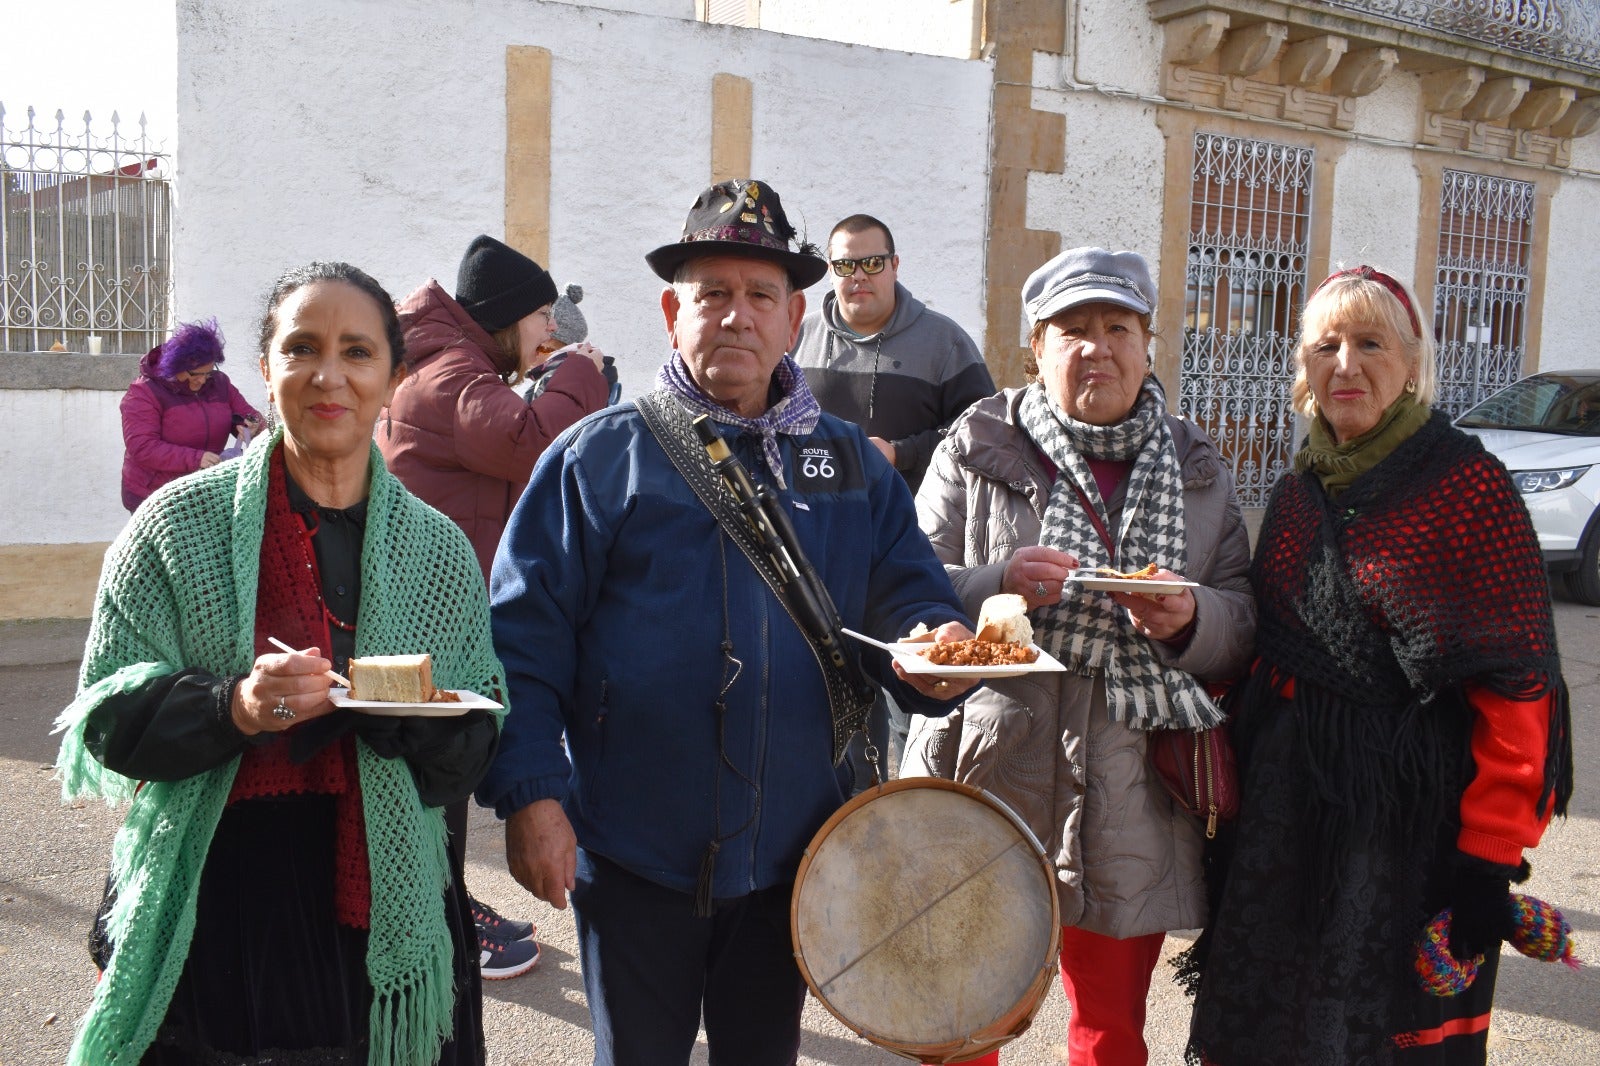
<point>178,590</point>
<point>1338,465</point>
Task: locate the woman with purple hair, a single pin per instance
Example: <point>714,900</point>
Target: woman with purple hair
<point>177,416</point>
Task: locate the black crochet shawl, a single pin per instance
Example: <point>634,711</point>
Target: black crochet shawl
<point>1423,576</point>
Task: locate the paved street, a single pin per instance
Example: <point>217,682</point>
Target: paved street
<point>53,859</point>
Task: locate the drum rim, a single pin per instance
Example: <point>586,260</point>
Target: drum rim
<point>1020,1017</point>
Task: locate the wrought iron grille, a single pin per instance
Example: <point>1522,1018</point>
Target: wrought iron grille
<point>85,238</point>
<point>1249,226</point>
<point>1565,30</point>
<point>1480,301</point>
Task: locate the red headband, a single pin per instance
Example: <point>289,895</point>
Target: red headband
<point>1366,273</point>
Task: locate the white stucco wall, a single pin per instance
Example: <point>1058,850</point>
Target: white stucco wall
<point>1571,317</point>
<point>933,27</point>
<point>1110,190</point>
<point>1112,43</point>
<point>60,466</point>
<point>1376,199</point>
<point>672,9</point>
<point>296,147</point>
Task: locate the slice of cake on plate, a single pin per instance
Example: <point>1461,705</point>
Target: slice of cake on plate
<point>392,678</point>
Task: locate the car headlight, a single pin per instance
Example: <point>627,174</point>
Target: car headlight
<point>1531,481</point>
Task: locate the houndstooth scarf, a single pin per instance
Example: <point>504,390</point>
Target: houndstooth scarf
<point>795,414</point>
<point>1087,630</point>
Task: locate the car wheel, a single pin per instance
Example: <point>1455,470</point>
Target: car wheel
<point>1583,584</point>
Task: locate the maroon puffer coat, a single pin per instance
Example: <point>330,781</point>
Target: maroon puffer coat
<point>458,436</point>
<point>167,429</point>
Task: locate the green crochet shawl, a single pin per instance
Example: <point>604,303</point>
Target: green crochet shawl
<point>178,590</point>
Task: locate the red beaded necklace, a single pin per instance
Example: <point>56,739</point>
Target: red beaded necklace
<point>316,577</point>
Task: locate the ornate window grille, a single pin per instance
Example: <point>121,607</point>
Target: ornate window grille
<point>1565,30</point>
<point>1249,231</point>
<point>85,238</point>
<point>1480,300</point>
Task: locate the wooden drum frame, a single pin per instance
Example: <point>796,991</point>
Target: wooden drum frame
<point>924,917</point>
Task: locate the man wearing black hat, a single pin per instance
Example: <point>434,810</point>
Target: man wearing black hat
<point>672,738</point>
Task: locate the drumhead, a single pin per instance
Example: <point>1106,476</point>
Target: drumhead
<point>925,917</point>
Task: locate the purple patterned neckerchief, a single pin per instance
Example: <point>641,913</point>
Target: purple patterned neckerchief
<point>794,415</point>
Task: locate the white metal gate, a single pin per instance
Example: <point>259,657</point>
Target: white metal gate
<point>1480,296</point>
<point>85,238</point>
<point>1249,232</point>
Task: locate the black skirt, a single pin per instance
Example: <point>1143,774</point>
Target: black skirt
<point>1308,957</point>
<point>271,976</point>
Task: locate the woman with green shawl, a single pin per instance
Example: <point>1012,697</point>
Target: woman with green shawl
<point>281,889</point>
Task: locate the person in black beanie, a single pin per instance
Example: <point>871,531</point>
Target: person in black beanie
<point>499,286</point>
<point>458,437</point>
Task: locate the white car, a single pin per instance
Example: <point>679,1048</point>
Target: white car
<point>1546,430</point>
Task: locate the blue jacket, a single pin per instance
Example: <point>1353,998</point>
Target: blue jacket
<point>611,594</point>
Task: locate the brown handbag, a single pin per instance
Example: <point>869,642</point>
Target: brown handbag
<point>1196,766</point>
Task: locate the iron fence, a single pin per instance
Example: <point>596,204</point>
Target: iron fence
<point>85,238</point>
<point>1564,30</point>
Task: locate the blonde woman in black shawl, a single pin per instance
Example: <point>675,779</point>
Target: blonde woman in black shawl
<point>1404,734</point>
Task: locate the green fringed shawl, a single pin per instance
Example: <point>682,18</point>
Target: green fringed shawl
<point>178,590</point>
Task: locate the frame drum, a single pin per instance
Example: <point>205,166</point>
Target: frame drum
<point>925,918</point>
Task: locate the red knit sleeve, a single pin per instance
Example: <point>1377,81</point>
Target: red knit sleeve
<point>1499,806</point>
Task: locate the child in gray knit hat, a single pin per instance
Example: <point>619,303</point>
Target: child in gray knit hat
<point>569,335</point>
<point>571,326</point>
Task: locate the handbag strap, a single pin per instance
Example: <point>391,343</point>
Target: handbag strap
<point>669,423</point>
<point>1094,517</point>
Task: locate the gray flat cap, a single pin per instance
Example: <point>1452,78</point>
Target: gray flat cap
<point>1088,275</point>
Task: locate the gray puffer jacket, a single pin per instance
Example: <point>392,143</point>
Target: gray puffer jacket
<point>1127,859</point>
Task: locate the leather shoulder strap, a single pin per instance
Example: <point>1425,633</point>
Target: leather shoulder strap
<point>669,423</point>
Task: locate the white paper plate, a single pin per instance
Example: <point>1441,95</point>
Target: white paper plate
<point>912,663</point>
<point>1091,580</point>
<point>470,701</point>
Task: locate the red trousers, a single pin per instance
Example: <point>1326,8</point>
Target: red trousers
<point>1106,981</point>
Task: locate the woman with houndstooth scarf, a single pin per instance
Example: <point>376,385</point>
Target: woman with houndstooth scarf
<point>1034,487</point>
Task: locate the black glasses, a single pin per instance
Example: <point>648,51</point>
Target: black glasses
<point>871,264</point>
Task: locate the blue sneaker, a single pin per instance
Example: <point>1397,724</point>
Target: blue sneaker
<point>500,959</point>
<point>496,926</point>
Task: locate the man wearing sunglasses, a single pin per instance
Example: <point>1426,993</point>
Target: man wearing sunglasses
<point>875,355</point>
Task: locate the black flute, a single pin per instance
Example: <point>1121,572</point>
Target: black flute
<point>802,589</point>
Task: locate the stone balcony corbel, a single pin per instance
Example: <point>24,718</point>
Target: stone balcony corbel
<point>1488,87</point>
<point>1581,118</point>
<point>1364,72</point>
<point>1496,99</point>
<point>1310,61</point>
<point>1250,48</point>
<point>1451,90</point>
<point>1541,108</point>
<point>1192,38</point>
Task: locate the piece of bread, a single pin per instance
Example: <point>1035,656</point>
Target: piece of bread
<point>1003,619</point>
<point>392,678</point>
